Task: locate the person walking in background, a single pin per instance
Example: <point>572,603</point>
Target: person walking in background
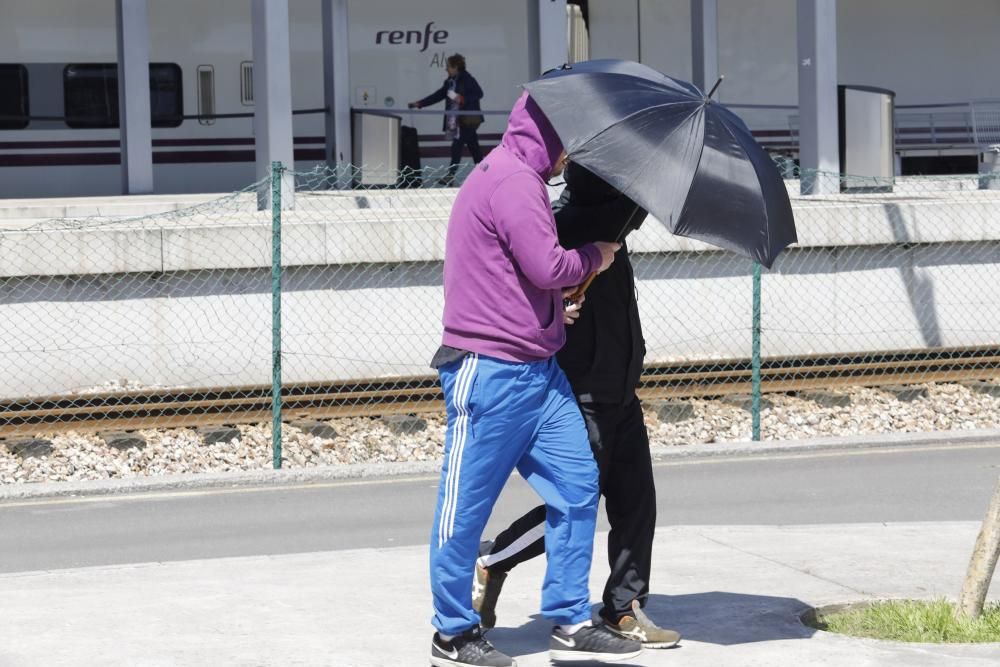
<point>461,92</point>
<point>603,360</point>
<point>508,403</point>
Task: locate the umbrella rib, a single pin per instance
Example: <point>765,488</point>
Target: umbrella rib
<point>670,134</point>
<point>767,225</point>
<point>633,114</point>
<point>665,137</point>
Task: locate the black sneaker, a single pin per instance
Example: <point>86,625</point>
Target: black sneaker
<point>594,642</point>
<point>485,592</point>
<point>469,649</point>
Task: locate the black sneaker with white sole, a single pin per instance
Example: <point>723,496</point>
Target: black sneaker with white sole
<point>469,649</point>
<point>594,642</point>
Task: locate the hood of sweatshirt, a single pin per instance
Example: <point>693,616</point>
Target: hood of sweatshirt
<point>531,138</point>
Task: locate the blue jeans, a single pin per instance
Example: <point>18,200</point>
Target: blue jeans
<point>501,416</point>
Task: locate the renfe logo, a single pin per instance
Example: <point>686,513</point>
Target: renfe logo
<point>417,37</point>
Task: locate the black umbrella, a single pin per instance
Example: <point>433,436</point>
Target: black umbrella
<point>689,161</point>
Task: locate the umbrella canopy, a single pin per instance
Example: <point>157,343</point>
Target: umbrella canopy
<point>687,160</point>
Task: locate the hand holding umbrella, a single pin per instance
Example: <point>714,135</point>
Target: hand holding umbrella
<point>575,295</point>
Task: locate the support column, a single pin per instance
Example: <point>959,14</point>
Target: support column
<point>337,84</point>
<point>553,44</point>
<point>132,28</point>
<point>272,119</point>
<point>614,29</point>
<point>704,43</point>
<point>819,147</point>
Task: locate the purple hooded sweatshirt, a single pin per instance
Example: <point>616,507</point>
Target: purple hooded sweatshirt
<point>504,269</point>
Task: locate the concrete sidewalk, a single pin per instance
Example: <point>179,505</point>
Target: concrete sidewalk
<point>734,592</point>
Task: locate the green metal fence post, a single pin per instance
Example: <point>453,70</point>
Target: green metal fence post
<point>755,359</point>
<point>276,177</point>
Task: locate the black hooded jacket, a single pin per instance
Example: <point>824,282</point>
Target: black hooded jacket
<point>466,86</point>
<point>604,347</point>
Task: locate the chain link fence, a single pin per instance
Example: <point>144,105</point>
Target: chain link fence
<point>881,318</point>
<point>218,337</point>
<point>113,321</point>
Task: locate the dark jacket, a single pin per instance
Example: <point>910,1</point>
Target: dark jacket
<point>604,347</point>
<point>466,86</point>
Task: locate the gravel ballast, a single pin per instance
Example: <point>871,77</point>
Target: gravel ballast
<point>74,456</point>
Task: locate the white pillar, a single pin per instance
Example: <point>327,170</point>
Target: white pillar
<point>819,146</point>
<point>553,43</point>
<point>614,29</point>
<point>272,119</point>
<point>705,43</point>
<point>337,83</point>
<point>132,27</point>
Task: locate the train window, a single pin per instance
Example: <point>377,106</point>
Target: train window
<point>166,97</point>
<point>13,97</point>
<point>206,94</point>
<point>246,83</point>
<point>90,93</point>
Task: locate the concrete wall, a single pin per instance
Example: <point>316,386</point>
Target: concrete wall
<point>182,298</point>
<point>212,327</point>
<point>409,226</point>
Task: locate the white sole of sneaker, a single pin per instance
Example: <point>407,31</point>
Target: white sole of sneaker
<point>645,644</point>
<point>445,662</point>
<point>581,656</point>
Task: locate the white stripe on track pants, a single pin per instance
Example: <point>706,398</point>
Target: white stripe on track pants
<point>501,416</point>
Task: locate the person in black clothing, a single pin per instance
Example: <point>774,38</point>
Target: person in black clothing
<point>461,92</point>
<point>603,360</point>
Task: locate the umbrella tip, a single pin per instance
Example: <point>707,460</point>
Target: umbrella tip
<point>715,87</point>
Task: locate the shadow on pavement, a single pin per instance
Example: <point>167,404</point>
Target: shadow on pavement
<point>716,617</point>
<point>713,617</point>
<point>532,637</point>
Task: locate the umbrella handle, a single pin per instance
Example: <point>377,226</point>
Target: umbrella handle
<point>578,292</point>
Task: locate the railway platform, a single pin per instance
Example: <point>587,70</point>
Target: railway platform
<point>127,233</point>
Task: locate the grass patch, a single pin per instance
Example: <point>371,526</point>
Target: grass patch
<point>914,621</point>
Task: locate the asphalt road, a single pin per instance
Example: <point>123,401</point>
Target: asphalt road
<point>939,483</point>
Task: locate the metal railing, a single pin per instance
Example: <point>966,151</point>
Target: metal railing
<point>939,125</point>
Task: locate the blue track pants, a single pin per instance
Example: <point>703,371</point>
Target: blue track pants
<point>501,416</point>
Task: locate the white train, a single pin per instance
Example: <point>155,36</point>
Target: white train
<point>58,92</point>
<point>58,84</point>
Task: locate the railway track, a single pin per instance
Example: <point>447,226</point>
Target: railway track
<point>163,408</point>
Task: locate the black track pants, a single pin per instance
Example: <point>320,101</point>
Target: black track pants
<point>467,136</point>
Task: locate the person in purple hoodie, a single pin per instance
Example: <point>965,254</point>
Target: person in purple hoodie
<point>509,404</point>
